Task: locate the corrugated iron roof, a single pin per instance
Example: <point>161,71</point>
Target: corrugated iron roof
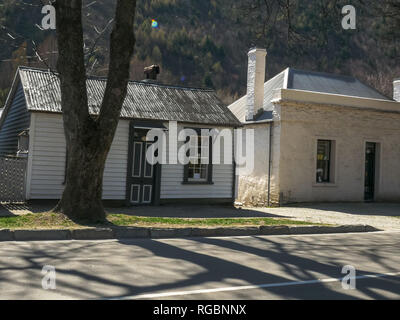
<point>145,101</point>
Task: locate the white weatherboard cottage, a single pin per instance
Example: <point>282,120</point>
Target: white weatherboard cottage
<point>319,138</point>
<point>34,106</point>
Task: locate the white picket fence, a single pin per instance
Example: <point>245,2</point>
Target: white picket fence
<point>12,179</point>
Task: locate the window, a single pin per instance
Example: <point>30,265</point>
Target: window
<point>23,141</point>
<point>324,158</point>
<point>198,165</point>
<point>199,169</point>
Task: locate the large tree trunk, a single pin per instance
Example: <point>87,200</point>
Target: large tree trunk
<point>82,197</point>
<point>89,137</point>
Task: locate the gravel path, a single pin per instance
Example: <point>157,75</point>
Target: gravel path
<point>384,216</point>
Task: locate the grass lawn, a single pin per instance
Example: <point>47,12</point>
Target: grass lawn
<point>56,221</point>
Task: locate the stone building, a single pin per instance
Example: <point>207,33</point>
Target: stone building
<point>319,138</point>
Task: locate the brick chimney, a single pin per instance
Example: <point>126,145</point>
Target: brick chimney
<point>152,72</point>
<point>255,82</point>
<point>396,90</point>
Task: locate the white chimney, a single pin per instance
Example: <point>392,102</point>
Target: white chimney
<point>255,82</point>
<point>396,90</point>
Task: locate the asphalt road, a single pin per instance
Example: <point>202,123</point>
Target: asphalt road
<point>274,267</point>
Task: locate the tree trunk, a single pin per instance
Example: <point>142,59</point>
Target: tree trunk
<point>89,137</point>
<point>82,197</point>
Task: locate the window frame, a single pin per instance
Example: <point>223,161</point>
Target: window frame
<point>209,167</point>
<point>332,163</point>
<point>328,161</point>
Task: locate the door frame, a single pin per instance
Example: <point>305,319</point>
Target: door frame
<point>147,125</point>
<point>378,166</point>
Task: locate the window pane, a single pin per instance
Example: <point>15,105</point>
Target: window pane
<point>190,172</point>
<point>198,165</point>
<point>148,171</point>
<point>204,171</point>
<point>323,161</point>
<point>137,159</point>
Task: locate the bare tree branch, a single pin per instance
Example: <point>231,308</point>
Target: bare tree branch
<point>121,45</point>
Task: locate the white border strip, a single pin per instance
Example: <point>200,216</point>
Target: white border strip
<point>261,286</point>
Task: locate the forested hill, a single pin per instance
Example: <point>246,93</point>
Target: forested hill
<point>205,43</point>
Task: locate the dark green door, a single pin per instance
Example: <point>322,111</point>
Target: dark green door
<point>142,177</point>
<point>370,158</point>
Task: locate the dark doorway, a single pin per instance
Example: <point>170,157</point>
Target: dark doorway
<point>142,177</point>
<point>370,165</point>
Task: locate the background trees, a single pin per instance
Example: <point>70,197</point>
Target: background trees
<point>204,43</point>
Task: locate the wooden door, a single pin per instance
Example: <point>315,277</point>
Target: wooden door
<point>142,176</point>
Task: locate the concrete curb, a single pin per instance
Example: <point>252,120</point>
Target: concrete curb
<point>6,235</point>
<point>37,235</point>
<point>131,233</point>
<point>163,233</point>
<point>159,233</point>
<point>274,230</point>
<point>92,234</point>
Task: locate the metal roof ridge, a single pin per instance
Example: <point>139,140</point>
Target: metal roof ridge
<point>100,78</point>
<point>27,68</point>
<point>156,84</point>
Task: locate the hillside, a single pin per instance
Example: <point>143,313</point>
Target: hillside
<point>205,43</point>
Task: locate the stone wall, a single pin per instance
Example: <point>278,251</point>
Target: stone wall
<point>253,188</point>
<point>301,127</point>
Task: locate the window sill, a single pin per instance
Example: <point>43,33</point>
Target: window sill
<point>325,185</point>
<point>197,183</point>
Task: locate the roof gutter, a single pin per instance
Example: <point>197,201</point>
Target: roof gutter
<point>258,122</point>
<point>303,96</point>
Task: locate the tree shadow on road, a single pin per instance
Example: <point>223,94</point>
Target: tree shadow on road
<point>138,267</point>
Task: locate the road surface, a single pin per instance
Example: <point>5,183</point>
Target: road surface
<point>261,267</point>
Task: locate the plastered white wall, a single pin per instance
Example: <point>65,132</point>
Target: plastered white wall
<point>302,125</point>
